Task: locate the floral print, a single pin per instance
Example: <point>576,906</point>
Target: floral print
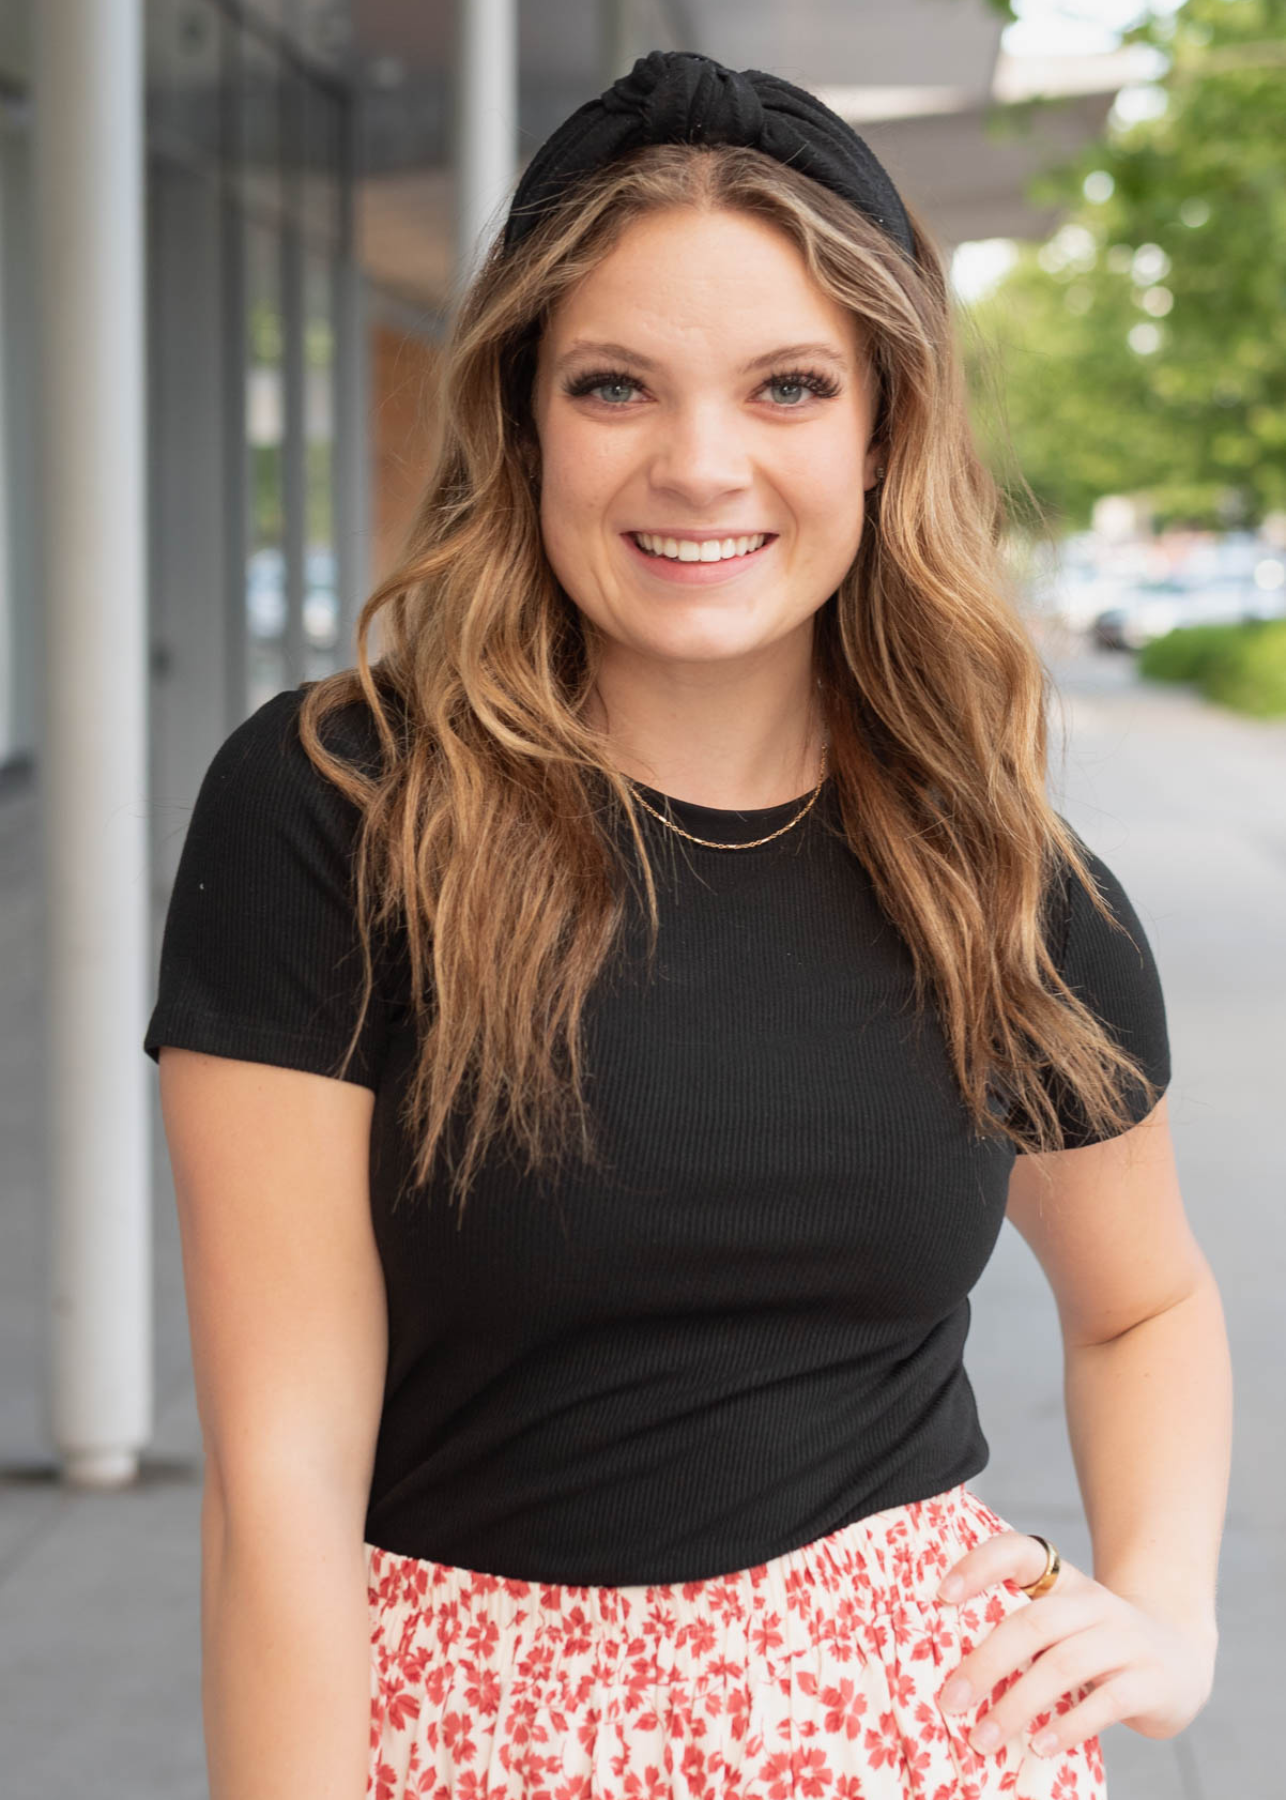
<point>812,1676</point>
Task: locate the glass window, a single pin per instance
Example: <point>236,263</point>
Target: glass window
<point>321,584</point>
<point>184,51</point>
<point>320,224</point>
<point>265,428</point>
<point>322,127</point>
<point>258,126</point>
<point>228,97</point>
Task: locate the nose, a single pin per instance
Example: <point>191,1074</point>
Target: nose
<point>700,454</point>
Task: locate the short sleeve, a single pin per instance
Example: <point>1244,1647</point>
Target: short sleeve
<point>260,955</point>
<point>1114,973</point>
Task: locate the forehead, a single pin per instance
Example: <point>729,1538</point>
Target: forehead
<point>704,282</point>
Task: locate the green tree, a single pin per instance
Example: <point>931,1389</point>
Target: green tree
<point>1143,347</point>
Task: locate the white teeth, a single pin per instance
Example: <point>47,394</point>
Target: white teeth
<point>695,550</point>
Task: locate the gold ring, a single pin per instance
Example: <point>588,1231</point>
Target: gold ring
<point>1049,1574</point>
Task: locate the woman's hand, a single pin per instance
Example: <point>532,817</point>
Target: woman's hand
<point>1145,1671</point>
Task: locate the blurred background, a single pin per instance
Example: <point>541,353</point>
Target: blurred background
<point>230,236</point>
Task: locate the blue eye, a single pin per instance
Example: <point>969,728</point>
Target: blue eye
<point>598,383</point>
<point>808,380</point>
<point>592,382</point>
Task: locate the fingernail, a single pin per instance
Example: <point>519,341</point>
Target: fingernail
<point>987,1734</point>
<point>950,1588</point>
<point>1044,1742</point>
<point>955,1693</point>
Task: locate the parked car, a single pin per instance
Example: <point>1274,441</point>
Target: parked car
<point>1078,596</point>
<point>1152,608</point>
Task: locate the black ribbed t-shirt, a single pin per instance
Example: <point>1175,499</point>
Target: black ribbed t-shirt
<point>746,1329</point>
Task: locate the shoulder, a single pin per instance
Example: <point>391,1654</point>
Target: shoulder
<point>268,742</point>
<point>1091,946</point>
<point>261,776</point>
<point>1107,961</point>
<point>261,955</point>
<point>270,829</point>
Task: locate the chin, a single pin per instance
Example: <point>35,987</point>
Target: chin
<point>705,657</point>
<point>709,633</point>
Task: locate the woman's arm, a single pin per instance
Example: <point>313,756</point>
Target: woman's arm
<point>1150,1414</point>
<point>288,1322</point>
<point>1147,1375</point>
<point>285,1652</point>
<point>1149,1403</point>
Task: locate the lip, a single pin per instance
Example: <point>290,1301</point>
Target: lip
<point>698,574</point>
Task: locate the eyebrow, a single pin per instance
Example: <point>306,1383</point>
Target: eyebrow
<point>583,347</point>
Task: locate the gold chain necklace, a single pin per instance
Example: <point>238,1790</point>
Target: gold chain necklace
<point>713,843</point>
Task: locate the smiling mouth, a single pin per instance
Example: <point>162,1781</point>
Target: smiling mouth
<point>700,550</point>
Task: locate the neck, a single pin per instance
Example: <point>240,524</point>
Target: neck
<point>700,734</point>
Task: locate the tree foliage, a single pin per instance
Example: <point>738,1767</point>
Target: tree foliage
<point>1142,348</point>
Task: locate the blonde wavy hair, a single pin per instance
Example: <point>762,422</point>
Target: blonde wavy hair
<point>482,835</point>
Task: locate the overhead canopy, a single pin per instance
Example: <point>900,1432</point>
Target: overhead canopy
<point>923,80</point>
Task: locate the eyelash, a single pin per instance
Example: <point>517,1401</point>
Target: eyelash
<point>824,387</point>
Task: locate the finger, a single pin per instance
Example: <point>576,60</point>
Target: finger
<point>1019,1638</point>
<point>1007,1556</point>
<point>1053,1681</point>
<point>1110,1701</point>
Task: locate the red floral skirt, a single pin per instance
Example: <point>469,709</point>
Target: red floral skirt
<point>814,1674</point>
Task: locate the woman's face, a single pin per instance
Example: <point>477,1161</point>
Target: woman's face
<point>697,389</point>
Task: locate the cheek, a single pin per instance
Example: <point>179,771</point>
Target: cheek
<point>583,477</point>
<point>830,508</point>
<point>823,473</point>
<point>573,502</point>
<point>827,486</point>
<point>582,469</point>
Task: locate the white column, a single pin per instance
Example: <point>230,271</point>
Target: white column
<point>7,745</point>
<point>92,771</point>
<point>486,125</point>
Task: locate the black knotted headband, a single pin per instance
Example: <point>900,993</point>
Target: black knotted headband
<point>681,97</point>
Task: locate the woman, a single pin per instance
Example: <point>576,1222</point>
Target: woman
<point>605,1036</point>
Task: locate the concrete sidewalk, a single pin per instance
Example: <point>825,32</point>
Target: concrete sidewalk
<point>99,1652</point>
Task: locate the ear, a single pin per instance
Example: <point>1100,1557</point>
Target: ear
<point>873,465</point>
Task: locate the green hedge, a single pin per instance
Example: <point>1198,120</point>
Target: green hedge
<point>1239,666</point>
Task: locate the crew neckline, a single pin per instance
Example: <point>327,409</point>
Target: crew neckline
<point>722,824</point>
